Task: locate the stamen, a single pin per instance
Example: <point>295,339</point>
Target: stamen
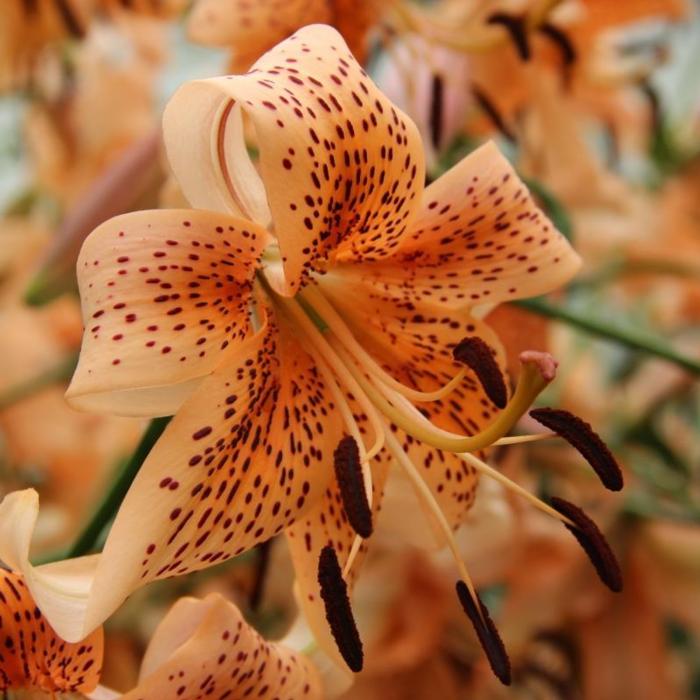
<point>334,592</point>
<point>480,358</point>
<point>486,631</point>
<point>516,28</point>
<point>493,114</point>
<point>436,110</point>
<point>516,488</point>
<point>593,543</point>
<point>518,439</point>
<point>348,474</point>
<point>314,298</point>
<point>581,436</point>
<point>561,40</point>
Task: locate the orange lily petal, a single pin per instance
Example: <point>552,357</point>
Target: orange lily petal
<point>32,655</point>
<point>246,456</point>
<point>252,27</point>
<point>341,165</point>
<point>163,293</point>
<point>479,238</point>
<point>206,648</point>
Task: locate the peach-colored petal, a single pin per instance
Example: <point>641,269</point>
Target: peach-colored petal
<point>32,655</point>
<point>164,293</point>
<point>247,455</point>
<point>204,648</point>
<point>251,27</point>
<point>479,238</point>
<point>342,167</point>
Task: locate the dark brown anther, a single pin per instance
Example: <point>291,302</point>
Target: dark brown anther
<point>518,33</point>
<point>585,440</point>
<point>436,102</point>
<point>487,633</point>
<point>652,97</point>
<point>493,114</point>
<point>593,543</point>
<point>334,592</point>
<point>561,41</point>
<point>479,357</point>
<point>69,18</point>
<point>348,474</point>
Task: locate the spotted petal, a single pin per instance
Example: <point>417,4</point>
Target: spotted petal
<point>164,293</point>
<point>204,648</point>
<point>341,166</point>
<point>32,656</point>
<point>478,238</point>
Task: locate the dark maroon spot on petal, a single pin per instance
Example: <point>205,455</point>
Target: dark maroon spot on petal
<point>480,358</point>
<point>593,543</point>
<point>581,436</point>
<point>202,433</point>
<point>334,592</point>
<point>348,474</point>
<point>486,631</point>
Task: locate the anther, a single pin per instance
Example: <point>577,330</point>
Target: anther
<point>348,474</point>
<point>561,40</point>
<point>593,543</point>
<point>436,103</point>
<point>334,592</point>
<point>585,440</point>
<point>479,357</point>
<point>493,114</point>
<point>487,633</point>
<point>515,26</point>
<point>70,20</point>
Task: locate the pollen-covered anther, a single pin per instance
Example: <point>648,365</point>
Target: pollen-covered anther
<point>585,440</point>
<point>334,592</point>
<point>593,543</point>
<point>544,362</point>
<point>487,633</point>
<point>479,357</point>
<point>348,474</point>
<point>515,26</point>
<point>561,40</point>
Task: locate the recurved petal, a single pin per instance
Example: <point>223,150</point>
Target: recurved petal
<point>204,648</point>
<point>164,294</point>
<point>32,655</point>
<point>341,166</point>
<point>478,238</point>
<point>251,27</point>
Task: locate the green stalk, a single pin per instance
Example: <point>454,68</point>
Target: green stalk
<point>629,338</point>
<point>61,372</point>
<point>88,538</point>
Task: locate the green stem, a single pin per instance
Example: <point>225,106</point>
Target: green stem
<point>634,340</point>
<point>86,541</point>
<point>57,374</point>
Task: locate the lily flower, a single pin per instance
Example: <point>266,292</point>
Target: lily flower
<point>250,29</point>
<point>33,656</point>
<point>206,648</point>
<point>307,327</point>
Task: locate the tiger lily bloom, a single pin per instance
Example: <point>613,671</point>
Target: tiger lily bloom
<point>206,648</point>
<point>250,29</point>
<point>32,655</point>
<point>307,327</point>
